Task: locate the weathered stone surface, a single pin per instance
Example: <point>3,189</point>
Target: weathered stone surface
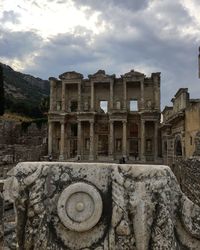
<point>21,143</point>
<point>1,220</point>
<point>136,207</point>
<point>187,173</point>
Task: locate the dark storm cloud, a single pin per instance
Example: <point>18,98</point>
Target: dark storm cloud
<point>18,44</point>
<point>10,16</point>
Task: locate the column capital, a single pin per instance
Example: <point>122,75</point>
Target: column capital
<point>124,122</point>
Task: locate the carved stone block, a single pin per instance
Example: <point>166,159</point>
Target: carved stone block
<point>101,207</point>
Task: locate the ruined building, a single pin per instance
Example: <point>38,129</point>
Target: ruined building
<point>180,129</point>
<point>104,118</point>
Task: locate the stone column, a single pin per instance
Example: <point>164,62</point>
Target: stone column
<point>124,150</point>
<point>50,138</point>
<point>79,142</point>
<point>157,95</point>
<point>63,97</point>
<point>52,104</point>
<point>91,156</point>
<point>92,96</point>
<point>62,140</point>
<point>125,94</point>
<point>142,94</point>
<point>111,94</point>
<point>79,97</point>
<point>155,140</point>
<point>156,82</point>
<point>142,140</point>
<point>111,141</point>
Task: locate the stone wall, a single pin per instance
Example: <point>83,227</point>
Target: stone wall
<point>21,142</point>
<point>188,175</point>
<point>1,220</point>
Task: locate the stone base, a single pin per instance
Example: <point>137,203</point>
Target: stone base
<point>61,158</point>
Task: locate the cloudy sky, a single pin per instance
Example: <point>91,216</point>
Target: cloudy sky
<point>48,37</point>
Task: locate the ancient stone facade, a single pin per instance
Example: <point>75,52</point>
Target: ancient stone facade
<point>98,206</point>
<point>104,118</point>
<point>180,130</point>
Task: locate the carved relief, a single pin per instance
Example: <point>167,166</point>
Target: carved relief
<point>101,207</point>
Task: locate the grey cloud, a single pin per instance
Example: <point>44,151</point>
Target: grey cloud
<point>18,44</point>
<point>10,16</point>
<point>64,52</point>
<point>104,4</point>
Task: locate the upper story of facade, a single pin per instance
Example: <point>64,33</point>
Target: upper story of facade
<point>180,101</point>
<point>102,93</point>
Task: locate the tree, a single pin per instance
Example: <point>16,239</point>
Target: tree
<point>2,98</point>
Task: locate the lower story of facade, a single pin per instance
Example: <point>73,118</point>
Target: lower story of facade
<point>103,139</point>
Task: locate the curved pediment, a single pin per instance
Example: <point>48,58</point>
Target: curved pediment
<point>70,75</point>
<point>132,74</point>
<point>100,75</point>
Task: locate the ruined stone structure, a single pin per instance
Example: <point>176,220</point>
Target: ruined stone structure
<point>1,220</point>
<point>98,206</point>
<point>21,143</point>
<point>104,118</point>
<point>187,173</point>
<point>180,130</point>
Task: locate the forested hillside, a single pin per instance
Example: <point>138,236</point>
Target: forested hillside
<point>25,94</point>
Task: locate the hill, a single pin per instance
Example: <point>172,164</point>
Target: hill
<point>24,93</point>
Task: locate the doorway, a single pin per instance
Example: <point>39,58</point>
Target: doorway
<point>103,145</point>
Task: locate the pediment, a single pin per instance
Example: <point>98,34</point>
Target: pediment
<point>101,75</point>
<point>132,74</point>
<point>70,75</point>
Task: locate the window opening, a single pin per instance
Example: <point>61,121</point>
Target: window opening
<point>133,105</point>
<point>104,106</point>
<point>74,106</point>
<point>74,129</point>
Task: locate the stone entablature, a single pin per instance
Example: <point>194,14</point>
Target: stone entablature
<point>103,98</point>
